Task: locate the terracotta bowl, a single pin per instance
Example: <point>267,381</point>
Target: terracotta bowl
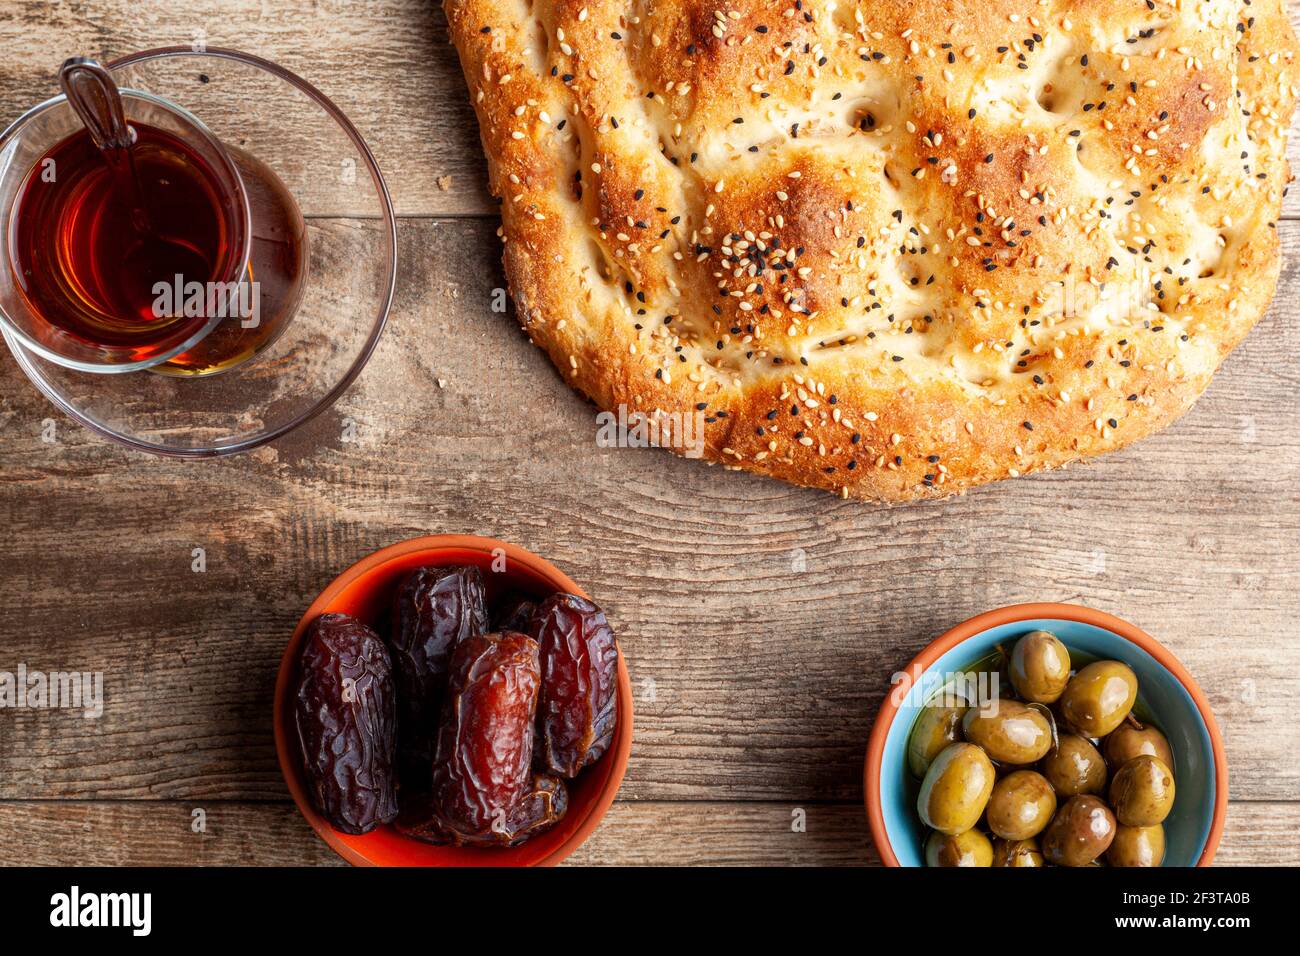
<point>1166,689</point>
<point>366,590</point>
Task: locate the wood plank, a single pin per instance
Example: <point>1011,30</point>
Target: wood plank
<point>766,618</point>
<point>158,833</point>
<point>760,834</point>
<point>387,63</point>
<point>135,833</point>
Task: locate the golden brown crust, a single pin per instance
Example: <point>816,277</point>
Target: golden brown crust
<point>893,250</point>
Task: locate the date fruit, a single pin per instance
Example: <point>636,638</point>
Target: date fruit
<point>482,768</point>
<point>514,615</point>
<point>543,806</point>
<point>578,710</point>
<point>418,820</point>
<point>540,809</point>
<point>434,611</point>
<point>346,716</point>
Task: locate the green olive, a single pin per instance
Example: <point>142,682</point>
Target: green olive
<point>956,789</point>
<point>1081,831</point>
<point>1021,805</point>
<point>1074,766</point>
<point>1039,667</point>
<point>1017,853</point>
<point>1137,846</point>
<point>1126,742</point>
<point>1142,793</point>
<point>935,728</point>
<point>1010,732</point>
<point>969,848</point>
<point>1099,697</point>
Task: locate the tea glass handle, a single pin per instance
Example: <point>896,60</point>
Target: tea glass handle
<point>93,94</point>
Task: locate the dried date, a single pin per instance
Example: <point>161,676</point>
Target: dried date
<point>346,717</point>
<point>418,820</point>
<point>578,710</point>
<point>539,809</point>
<point>436,608</point>
<point>515,615</point>
<point>482,764</point>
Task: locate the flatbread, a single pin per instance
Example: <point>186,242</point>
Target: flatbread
<point>892,250</point>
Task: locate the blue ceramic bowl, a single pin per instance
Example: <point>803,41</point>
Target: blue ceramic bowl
<point>1166,691</point>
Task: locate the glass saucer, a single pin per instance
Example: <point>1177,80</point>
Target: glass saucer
<point>262,109</point>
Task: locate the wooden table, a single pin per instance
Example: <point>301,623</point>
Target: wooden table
<point>760,622</point>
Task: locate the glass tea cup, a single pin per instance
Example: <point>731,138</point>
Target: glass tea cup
<point>323,252</point>
<point>27,165</point>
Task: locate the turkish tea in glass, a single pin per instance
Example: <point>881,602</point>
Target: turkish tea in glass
<point>138,253</point>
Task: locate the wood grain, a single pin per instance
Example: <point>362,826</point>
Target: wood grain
<point>764,677</point>
<point>761,622</point>
<point>632,834</point>
<point>761,834</point>
<point>387,63</point>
